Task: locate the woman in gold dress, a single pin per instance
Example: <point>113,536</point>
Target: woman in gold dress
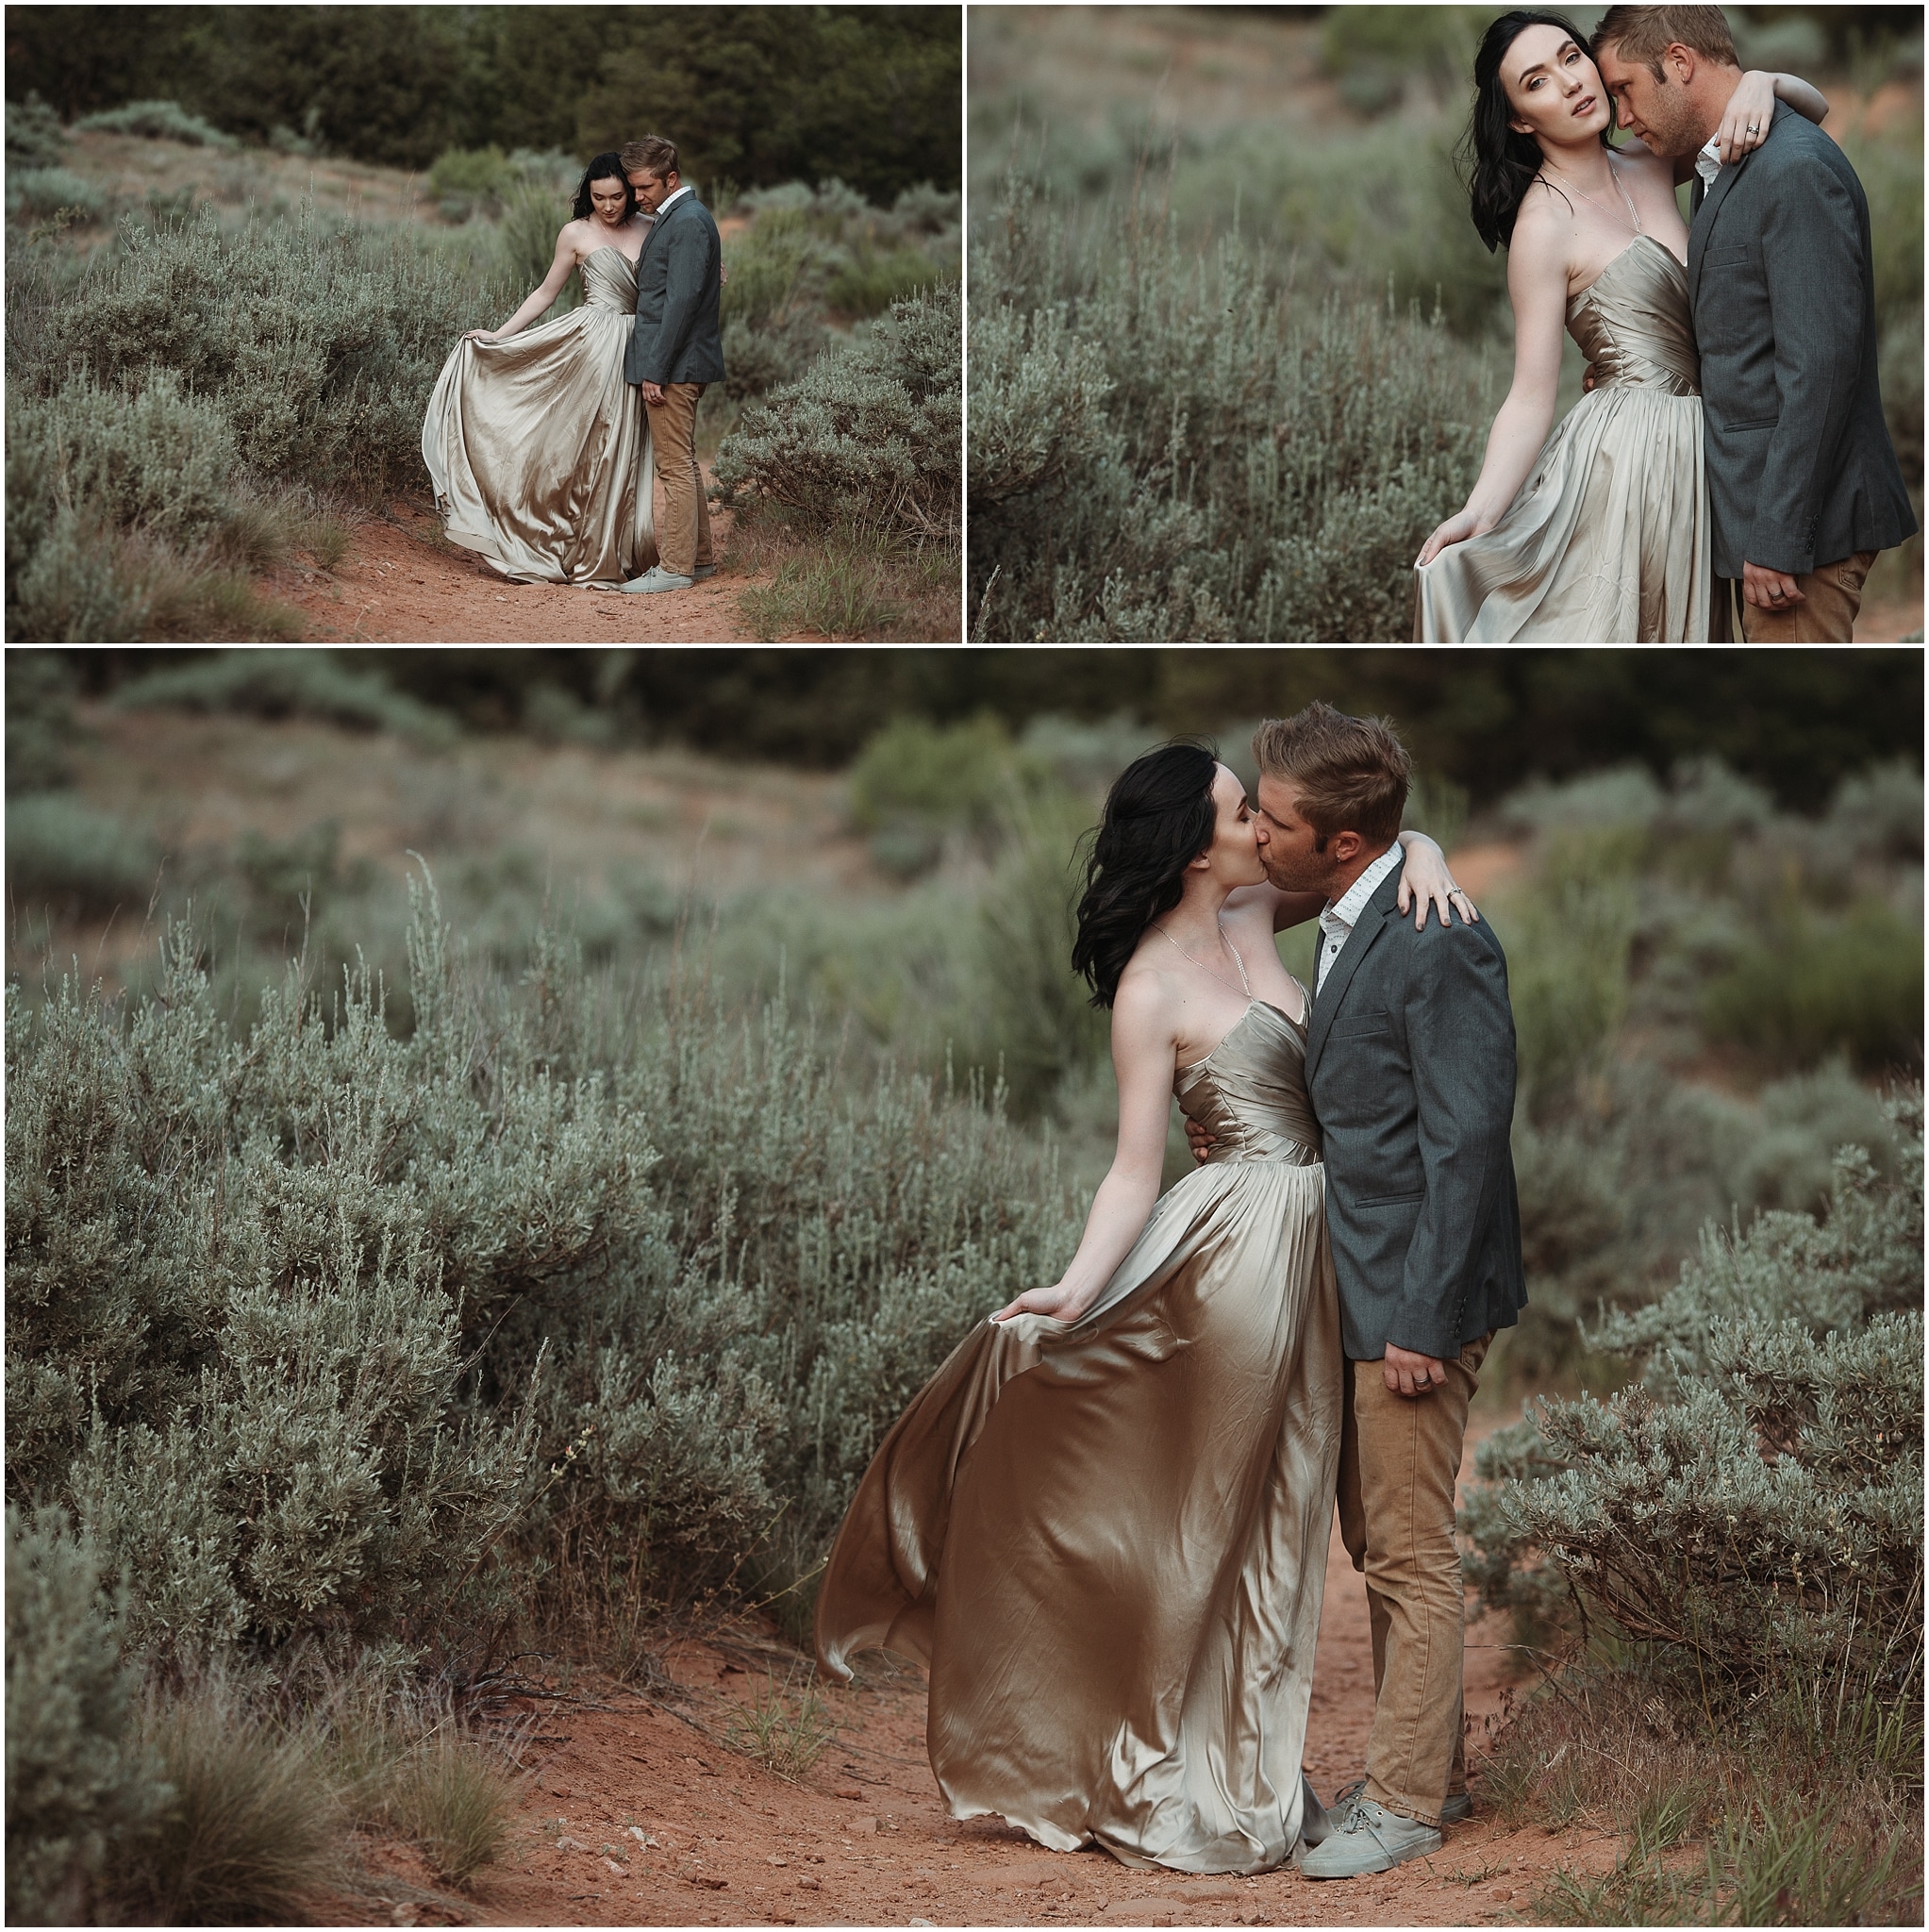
<point>1598,533</point>
<point>537,448</point>
<point>1103,1523</point>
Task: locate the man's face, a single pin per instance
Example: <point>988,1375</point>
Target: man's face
<point>653,189</point>
<point>1288,845</point>
<point>1656,111</point>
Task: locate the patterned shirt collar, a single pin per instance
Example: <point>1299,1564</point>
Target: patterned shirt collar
<point>1338,921</point>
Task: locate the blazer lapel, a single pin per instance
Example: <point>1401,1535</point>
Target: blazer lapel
<point>1709,206</point>
<point>656,229</point>
<point>1359,942</point>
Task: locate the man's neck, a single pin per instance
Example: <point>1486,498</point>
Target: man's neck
<point>1714,88</point>
<point>1349,875</point>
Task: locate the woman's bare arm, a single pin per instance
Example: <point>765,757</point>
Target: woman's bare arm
<point>560,271</point>
<point>1426,878</point>
<point>1537,286</point>
<point>1144,1051</point>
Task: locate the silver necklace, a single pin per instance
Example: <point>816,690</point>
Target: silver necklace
<point>1169,940</point>
<point>1634,218</point>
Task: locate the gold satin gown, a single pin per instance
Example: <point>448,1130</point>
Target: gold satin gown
<point>1608,541</point>
<point>540,451</point>
<point>1107,1539</point>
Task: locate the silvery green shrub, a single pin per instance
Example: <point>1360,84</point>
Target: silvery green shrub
<point>159,121</point>
<point>35,138</point>
<point>869,436</point>
<point>1753,1504</point>
<point>48,191</point>
<point>318,344</point>
<point>1179,447</point>
<point>332,1335</point>
<point>75,1778</point>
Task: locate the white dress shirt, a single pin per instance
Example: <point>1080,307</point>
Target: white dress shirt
<point>1707,163</point>
<point>669,198</point>
<point>1337,921</point>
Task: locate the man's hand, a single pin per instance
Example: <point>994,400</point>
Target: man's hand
<point>653,391</point>
<point>1412,1375</point>
<point>1770,589</point>
<point>1198,1140</point>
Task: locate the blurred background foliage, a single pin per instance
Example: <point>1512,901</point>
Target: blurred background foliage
<point>1139,176</point>
<point>755,95</point>
<point>494,1138</point>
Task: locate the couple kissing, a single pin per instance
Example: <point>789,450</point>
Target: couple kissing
<point>543,438</point>
<point>1103,1523</point>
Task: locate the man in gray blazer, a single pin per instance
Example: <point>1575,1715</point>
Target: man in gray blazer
<point>1803,481</point>
<point>1410,1070</point>
<point>675,350</point>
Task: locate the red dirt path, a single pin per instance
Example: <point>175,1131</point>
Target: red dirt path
<point>402,582</point>
<point>864,1837</point>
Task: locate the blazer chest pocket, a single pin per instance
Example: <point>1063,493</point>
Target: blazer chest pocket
<point>1728,259</point>
<point>1366,1021</point>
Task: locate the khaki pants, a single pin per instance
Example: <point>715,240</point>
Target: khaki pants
<point>683,538</point>
<point>1398,1457</point>
<point>1831,597</point>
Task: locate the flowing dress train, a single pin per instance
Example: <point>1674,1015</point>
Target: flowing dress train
<point>1107,1538</point>
<point>540,451</point>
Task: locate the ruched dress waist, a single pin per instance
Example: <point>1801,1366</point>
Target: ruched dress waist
<point>1250,1095</point>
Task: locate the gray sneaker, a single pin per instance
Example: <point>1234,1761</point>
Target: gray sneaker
<point>706,570</point>
<point>1370,1838</point>
<point>657,578</point>
<point>1457,1807</point>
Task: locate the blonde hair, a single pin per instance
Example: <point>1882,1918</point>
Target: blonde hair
<point>653,152</point>
<point>1645,33</point>
<point>1352,774</point>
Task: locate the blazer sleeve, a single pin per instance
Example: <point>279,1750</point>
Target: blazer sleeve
<point>686,254</point>
<point>1460,1042</point>
<point>1812,260</point>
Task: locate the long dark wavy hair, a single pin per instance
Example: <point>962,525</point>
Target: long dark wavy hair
<point>1158,818</point>
<point>603,168</point>
<point>1498,162</point>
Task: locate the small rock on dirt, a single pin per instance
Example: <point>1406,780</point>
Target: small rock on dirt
<point>569,1845</point>
<point>864,1827</point>
<point>847,1791</point>
<point>810,1885</point>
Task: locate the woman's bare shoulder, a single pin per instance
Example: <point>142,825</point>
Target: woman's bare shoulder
<point>1544,218</point>
<point>1145,997</point>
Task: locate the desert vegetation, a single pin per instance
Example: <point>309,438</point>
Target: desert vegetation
<point>281,304</point>
<point>419,1261</point>
<point>1235,344</point>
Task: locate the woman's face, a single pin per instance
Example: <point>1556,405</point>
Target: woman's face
<point>1235,849</point>
<point>1553,87</point>
<point>611,199</point>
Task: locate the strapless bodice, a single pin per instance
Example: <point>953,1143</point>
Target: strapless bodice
<point>1634,324</point>
<point>609,280</point>
<point>1249,1091</point>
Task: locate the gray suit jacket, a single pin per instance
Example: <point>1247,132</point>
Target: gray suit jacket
<point>1801,471</point>
<point>1410,1068</point>
<point>675,337</point>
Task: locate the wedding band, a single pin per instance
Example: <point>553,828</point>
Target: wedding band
<point>1753,128</point>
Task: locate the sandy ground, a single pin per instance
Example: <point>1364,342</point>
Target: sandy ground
<point>402,582</point>
<point>636,1815</point>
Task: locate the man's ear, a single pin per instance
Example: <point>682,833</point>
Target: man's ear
<point>1682,60</point>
